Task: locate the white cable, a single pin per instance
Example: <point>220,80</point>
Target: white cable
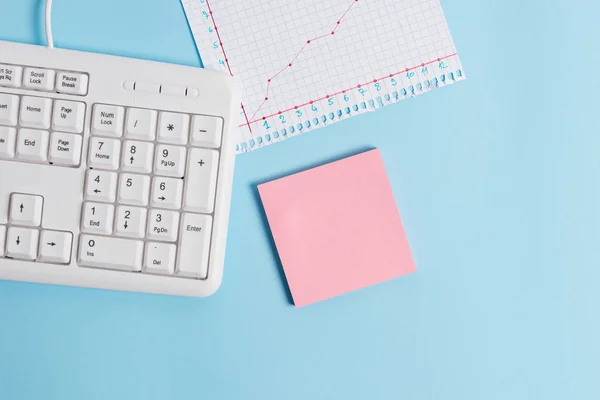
<point>49,40</point>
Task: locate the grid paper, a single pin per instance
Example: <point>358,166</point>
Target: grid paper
<point>308,63</point>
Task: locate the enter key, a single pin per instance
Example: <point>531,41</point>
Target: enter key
<point>194,245</point>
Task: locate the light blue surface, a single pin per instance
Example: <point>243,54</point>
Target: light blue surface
<point>498,182</point>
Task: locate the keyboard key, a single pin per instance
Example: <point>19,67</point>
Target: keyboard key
<point>206,131</point>
<point>35,112</point>
<point>134,189</point>
<point>22,243</point>
<point>10,75</point>
<point>111,253</point>
<point>104,153</point>
<point>25,209</point>
<point>173,127</point>
<point>9,109</point>
<point>163,225</point>
<point>38,79</point>
<point>137,157</point>
<point>202,171</point>
<point>97,218</point>
<point>140,124</point>
<point>72,83</point>
<point>8,139</point>
<point>2,239</point>
<point>194,245</point>
<point>32,145</point>
<point>131,222</point>
<point>107,120</point>
<point>55,247</point>
<point>170,160</point>
<point>68,116</point>
<point>160,258</point>
<point>65,149</point>
<point>166,192</point>
<point>100,186</point>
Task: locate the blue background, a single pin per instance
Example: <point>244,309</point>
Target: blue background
<point>498,182</point>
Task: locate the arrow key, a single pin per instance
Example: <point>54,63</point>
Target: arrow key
<point>26,209</point>
<point>137,157</point>
<point>22,243</point>
<point>131,222</point>
<point>167,192</point>
<point>101,185</point>
<point>55,247</point>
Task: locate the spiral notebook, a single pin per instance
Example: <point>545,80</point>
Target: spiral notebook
<point>305,64</point>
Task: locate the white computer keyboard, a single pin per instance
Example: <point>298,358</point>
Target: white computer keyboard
<point>114,173</point>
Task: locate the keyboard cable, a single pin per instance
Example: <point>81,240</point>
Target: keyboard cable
<point>49,40</point>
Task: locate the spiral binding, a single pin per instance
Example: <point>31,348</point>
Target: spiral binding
<point>396,95</point>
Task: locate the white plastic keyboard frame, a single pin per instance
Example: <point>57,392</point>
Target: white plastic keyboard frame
<point>63,187</point>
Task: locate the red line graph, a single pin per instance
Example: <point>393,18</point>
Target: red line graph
<point>248,123</point>
<point>289,64</point>
<point>251,121</point>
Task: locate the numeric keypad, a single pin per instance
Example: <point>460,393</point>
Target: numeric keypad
<point>148,173</point>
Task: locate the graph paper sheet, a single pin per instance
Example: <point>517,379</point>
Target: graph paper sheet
<point>305,64</point>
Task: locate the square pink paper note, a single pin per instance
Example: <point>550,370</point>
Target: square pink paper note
<point>336,228</point>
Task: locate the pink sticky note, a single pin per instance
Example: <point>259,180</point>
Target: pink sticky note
<point>336,228</point>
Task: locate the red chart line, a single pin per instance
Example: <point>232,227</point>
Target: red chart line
<point>219,37</point>
<point>210,12</point>
<point>248,123</point>
<point>246,117</point>
<point>289,65</point>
